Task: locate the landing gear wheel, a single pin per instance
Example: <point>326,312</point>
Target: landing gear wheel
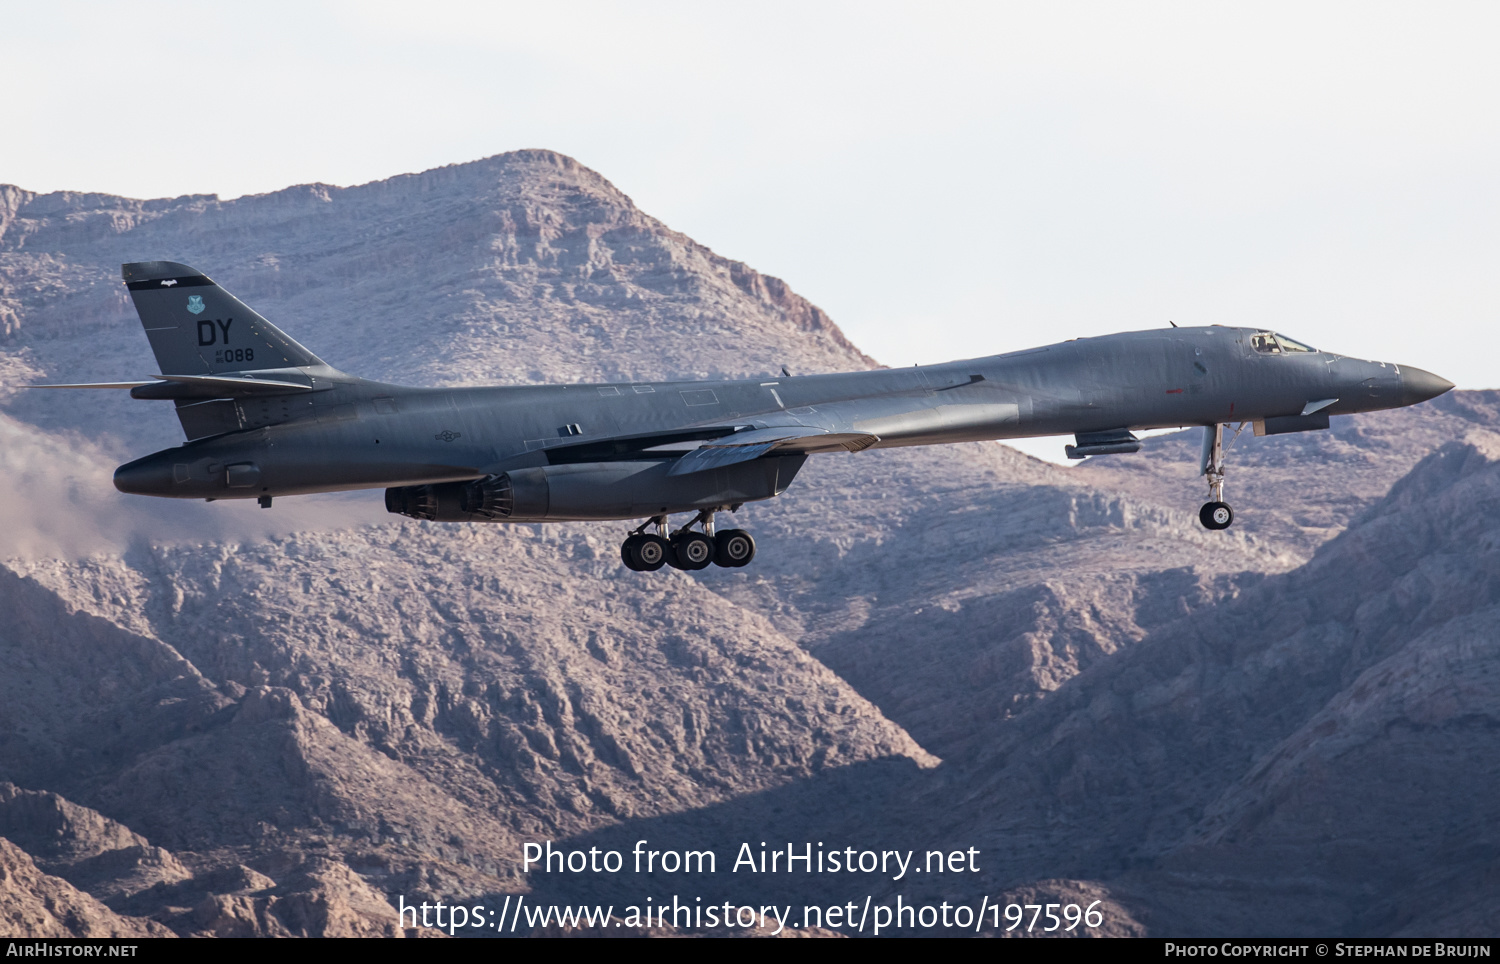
<point>691,551</point>
<point>1216,515</point>
<point>733,548</point>
<point>627,552</point>
<point>650,553</point>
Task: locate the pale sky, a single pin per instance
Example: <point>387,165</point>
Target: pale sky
<point>946,180</point>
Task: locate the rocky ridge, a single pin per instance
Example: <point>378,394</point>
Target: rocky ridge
<point>1310,752</point>
<point>35,904</point>
<point>525,267</point>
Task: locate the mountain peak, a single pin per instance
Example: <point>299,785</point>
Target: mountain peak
<point>521,267</point>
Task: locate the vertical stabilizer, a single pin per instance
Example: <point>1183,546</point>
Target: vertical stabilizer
<point>198,328</point>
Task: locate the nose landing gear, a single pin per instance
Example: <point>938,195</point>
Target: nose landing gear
<point>685,549</point>
<point>1216,513</point>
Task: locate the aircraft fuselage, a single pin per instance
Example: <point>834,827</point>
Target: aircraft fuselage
<point>361,434</point>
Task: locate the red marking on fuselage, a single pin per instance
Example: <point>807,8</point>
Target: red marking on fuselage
<point>1174,391</point>
<point>1231,408</point>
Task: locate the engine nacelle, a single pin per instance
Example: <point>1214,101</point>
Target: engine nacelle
<point>593,491</point>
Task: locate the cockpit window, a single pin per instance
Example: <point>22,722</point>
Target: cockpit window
<point>1272,344</point>
<point>1288,345</point>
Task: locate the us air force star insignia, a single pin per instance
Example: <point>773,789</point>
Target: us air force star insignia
<point>446,436</point>
<point>195,304</point>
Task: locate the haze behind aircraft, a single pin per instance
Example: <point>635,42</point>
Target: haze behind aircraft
<point>265,417</point>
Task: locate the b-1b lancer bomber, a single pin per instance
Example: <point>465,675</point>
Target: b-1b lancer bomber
<point>265,417</point>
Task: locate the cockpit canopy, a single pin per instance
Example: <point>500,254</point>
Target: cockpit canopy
<point>1270,343</point>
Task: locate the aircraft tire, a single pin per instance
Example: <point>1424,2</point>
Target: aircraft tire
<point>627,552</point>
<point>650,553</point>
<point>733,548</point>
<point>692,551</point>
<point>1216,515</point>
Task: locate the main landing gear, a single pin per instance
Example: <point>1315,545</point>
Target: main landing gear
<point>685,549</point>
<point>1216,513</point>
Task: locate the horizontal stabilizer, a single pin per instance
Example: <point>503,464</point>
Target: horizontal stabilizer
<point>222,386</point>
<point>95,385</point>
<point>744,446</point>
<point>202,386</point>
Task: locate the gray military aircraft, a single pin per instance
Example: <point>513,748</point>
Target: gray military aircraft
<point>265,417</point>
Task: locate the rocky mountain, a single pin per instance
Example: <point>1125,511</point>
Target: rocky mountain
<point>35,904</point>
<point>1312,753</point>
<point>521,268</point>
<point>218,720</point>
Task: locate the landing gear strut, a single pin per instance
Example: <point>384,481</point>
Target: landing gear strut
<point>1216,513</point>
<point>686,549</point>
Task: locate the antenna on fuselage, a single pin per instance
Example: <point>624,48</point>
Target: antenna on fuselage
<point>1172,323</point>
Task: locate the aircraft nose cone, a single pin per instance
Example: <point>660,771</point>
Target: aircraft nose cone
<point>147,476</point>
<point>1419,386</point>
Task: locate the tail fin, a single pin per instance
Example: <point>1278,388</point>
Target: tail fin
<point>198,328</point>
